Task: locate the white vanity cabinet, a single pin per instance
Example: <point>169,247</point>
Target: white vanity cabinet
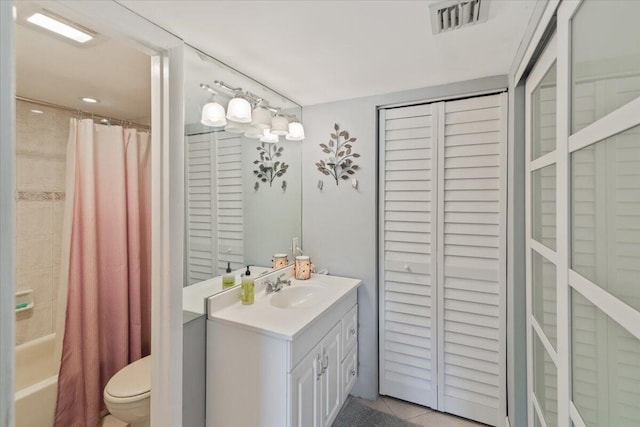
<point>264,378</point>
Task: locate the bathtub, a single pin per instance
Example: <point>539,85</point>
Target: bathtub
<point>36,383</point>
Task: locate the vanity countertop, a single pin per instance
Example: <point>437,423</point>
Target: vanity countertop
<point>194,297</point>
<point>284,323</point>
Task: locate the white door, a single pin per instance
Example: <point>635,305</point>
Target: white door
<point>305,391</point>
<point>331,388</point>
<point>583,224</point>
<point>408,200</point>
<point>442,256</point>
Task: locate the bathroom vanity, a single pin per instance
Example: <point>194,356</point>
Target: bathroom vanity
<point>290,359</point>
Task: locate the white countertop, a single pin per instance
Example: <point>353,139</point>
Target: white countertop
<point>282,323</point>
<point>194,297</point>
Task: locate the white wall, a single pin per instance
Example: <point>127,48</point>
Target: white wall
<point>339,224</point>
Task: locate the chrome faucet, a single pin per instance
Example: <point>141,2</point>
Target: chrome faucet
<point>277,286</point>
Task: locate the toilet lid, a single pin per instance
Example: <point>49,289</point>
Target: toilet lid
<point>132,380</point>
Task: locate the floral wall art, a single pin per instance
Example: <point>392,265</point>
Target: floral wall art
<point>339,163</point>
<point>268,167</point>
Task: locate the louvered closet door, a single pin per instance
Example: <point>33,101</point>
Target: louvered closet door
<point>471,258</point>
<point>442,256</point>
<point>201,264</point>
<point>230,220</point>
<point>407,234</point>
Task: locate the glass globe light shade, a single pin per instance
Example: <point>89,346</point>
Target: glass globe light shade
<point>269,137</point>
<point>213,115</point>
<point>280,125</point>
<point>261,118</point>
<point>239,110</point>
<point>296,132</point>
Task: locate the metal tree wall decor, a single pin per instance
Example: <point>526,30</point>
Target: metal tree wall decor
<point>268,169</point>
<point>340,163</point>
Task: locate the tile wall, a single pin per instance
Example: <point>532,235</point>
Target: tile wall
<point>41,140</point>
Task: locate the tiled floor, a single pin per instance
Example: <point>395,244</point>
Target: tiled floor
<point>110,421</point>
<point>419,415</point>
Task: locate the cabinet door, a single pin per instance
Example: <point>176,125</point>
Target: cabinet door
<point>305,382</point>
<point>331,389</point>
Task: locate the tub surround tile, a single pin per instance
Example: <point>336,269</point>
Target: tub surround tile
<point>59,174</point>
<point>41,141</point>
<point>33,218</point>
<point>58,218</point>
<point>34,253</point>
<point>61,132</point>
<point>34,173</point>
<point>35,323</point>
<point>40,281</point>
<point>34,132</point>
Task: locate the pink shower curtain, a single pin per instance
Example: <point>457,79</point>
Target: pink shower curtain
<point>108,315</point>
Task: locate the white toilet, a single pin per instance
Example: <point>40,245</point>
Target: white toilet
<point>128,393</point>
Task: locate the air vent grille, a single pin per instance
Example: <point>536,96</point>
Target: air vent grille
<point>451,15</point>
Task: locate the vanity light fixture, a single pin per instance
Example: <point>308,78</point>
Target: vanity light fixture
<point>279,125</point>
<point>254,132</point>
<point>37,111</point>
<point>213,115</point>
<point>56,25</point>
<point>239,110</point>
<point>261,117</point>
<point>269,137</point>
<point>90,100</point>
<point>296,131</point>
<point>249,114</point>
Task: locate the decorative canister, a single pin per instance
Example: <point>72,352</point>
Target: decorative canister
<point>280,260</point>
<point>303,267</point>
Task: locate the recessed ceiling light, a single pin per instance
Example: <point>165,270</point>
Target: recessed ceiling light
<point>59,27</point>
<point>37,111</point>
<point>90,100</point>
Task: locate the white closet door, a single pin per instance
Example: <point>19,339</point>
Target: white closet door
<point>229,196</point>
<point>471,258</point>
<point>202,262</point>
<point>407,268</point>
<point>443,256</point>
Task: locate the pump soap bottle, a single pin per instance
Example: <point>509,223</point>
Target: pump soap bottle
<point>228,279</point>
<point>247,288</point>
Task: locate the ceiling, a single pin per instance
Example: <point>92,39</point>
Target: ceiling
<point>60,72</point>
<point>321,51</point>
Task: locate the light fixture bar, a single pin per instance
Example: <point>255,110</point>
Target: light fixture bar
<point>59,27</point>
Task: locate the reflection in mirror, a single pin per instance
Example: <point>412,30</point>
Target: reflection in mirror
<point>243,195</point>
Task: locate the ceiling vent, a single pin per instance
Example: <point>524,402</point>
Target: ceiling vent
<point>454,14</point>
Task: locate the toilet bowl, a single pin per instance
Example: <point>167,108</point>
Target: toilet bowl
<point>128,393</point>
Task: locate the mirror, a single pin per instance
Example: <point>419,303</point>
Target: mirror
<point>242,196</point>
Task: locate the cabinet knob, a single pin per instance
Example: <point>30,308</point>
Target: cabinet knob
<point>352,331</point>
<point>406,267</point>
<point>352,372</point>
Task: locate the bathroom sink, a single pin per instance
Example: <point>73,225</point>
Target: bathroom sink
<point>299,296</point>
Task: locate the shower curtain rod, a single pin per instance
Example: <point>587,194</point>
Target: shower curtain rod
<point>82,112</point>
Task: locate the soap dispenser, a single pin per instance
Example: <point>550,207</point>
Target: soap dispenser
<point>228,279</point>
<point>248,284</point>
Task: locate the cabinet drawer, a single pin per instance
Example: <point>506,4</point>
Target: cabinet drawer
<point>349,372</point>
<point>349,331</point>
